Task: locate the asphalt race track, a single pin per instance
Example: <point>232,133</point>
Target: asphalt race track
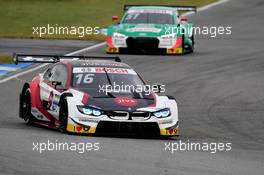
<point>220,94</point>
<point>40,46</point>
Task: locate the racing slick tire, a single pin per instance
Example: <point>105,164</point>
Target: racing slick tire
<point>187,48</point>
<point>25,106</point>
<point>193,42</point>
<point>183,48</point>
<point>63,116</point>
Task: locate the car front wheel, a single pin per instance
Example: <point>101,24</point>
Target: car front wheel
<point>25,106</point>
<point>63,116</point>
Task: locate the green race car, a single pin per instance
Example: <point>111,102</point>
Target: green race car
<point>154,29</point>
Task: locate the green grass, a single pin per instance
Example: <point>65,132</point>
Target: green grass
<point>6,59</point>
<point>17,17</point>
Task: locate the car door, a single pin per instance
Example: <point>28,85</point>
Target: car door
<point>53,84</point>
<point>45,87</point>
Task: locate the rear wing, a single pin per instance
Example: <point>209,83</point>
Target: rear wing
<point>179,8</point>
<point>25,58</point>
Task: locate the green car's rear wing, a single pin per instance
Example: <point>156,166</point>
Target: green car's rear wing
<point>179,8</point>
<point>25,58</point>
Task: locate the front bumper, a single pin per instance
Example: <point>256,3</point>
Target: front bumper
<point>143,44</point>
<point>124,128</point>
<point>110,127</point>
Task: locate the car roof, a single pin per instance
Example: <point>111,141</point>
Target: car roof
<point>96,63</point>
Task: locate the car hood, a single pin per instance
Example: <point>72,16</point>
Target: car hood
<point>118,101</point>
<point>141,30</point>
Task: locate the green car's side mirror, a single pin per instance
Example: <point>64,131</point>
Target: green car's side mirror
<point>114,18</point>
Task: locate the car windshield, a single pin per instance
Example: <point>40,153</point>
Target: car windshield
<point>94,78</point>
<point>148,17</point>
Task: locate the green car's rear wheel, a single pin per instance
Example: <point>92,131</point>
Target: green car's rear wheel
<point>183,45</point>
<point>193,42</point>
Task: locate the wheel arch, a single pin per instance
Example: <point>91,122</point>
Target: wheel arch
<point>25,87</point>
<point>64,96</point>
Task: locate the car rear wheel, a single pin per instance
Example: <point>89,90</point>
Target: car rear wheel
<point>193,42</point>
<point>63,116</point>
<point>25,106</point>
<point>183,44</point>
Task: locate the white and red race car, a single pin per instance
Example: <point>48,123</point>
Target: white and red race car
<point>71,96</point>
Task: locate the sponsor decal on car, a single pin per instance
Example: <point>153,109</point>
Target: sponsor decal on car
<point>81,129</point>
<point>85,119</point>
<point>111,70</point>
<point>50,99</point>
<point>126,101</point>
<point>144,29</point>
<point>103,70</point>
<point>151,11</point>
<point>102,64</point>
<point>172,131</point>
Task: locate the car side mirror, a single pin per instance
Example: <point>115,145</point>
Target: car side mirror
<point>57,85</point>
<point>114,18</point>
<point>183,19</point>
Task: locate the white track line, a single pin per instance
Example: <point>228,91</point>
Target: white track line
<point>207,7</point>
<point>212,5</point>
<point>103,43</point>
<point>43,65</point>
<point>86,49</point>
